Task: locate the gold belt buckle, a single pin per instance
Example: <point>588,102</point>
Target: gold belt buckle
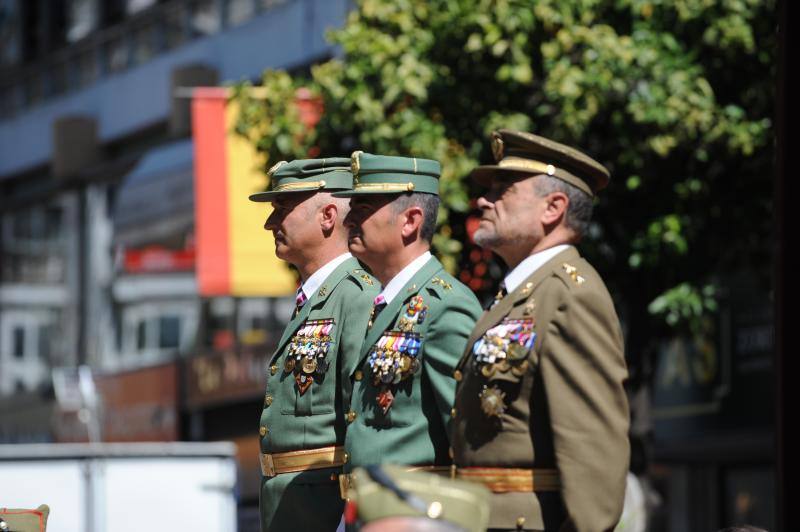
<point>267,465</point>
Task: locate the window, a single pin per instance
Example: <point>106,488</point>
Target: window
<point>141,336</point>
<point>19,342</point>
<point>45,333</point>
<point>169,332</point>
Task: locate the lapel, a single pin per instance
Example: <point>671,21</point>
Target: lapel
<point>409,290</point>
<point>330,284</point>
<point>495,314</point>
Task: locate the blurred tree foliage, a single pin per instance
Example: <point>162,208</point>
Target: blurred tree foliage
<point>674,97</point>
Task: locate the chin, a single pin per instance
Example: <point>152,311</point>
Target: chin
<point>485,238</point>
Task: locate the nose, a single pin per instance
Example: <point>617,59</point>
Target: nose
<point>272,221</point>
<point>484,203</point>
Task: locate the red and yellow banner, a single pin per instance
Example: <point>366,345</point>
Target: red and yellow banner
<point>235,255</point>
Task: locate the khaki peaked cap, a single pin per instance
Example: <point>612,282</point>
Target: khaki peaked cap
<point>519,152</point>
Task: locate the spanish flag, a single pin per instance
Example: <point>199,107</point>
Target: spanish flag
<point>235,255</point>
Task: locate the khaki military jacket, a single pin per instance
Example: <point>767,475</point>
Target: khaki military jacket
<point>406,420</point>
<point>549,395</point>
<point>293,421</point>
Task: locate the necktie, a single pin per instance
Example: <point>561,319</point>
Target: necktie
<point>299,300</point>
<point>378,304</point>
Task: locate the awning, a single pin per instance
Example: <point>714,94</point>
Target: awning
<point>155,202</point>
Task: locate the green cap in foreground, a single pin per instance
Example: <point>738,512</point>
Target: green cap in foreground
<point>384,174</point>
<point>391,491</point>
<point>519,152</point>
<point>307,175</point>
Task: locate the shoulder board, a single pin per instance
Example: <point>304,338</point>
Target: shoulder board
<point>570,274</point>
<point>362,278</point>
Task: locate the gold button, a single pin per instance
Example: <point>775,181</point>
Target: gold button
<point>351,416</point>
<point>359,375</point>
<point>273,369</point>
<point>263,431</point>
<point>520,522</point>
<point>452,412</point>
<point>268,400</point>
<point>457,375</point>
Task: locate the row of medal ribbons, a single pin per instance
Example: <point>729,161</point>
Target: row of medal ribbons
<point>394,357</point>
<point>312,341</point>
<point>510,340</point>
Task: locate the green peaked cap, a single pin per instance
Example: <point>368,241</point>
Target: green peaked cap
<point>384,174</point>
<point>306,175</point>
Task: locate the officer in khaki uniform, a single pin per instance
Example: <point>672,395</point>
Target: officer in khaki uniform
<point>542,416</point>
<point>308,378</point>
<point>403,387</point>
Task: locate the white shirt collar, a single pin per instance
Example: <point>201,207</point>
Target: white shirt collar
<point>531,263</point>
<point>318,277</point>
<point>397,283</point>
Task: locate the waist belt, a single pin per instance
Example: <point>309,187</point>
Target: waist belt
<point>506,479</point>
<point>294,461</point>
<point>346,479</point>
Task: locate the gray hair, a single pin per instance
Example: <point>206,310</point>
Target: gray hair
<point>326,198</point>
<point>579,211</point>
<point>429,203</point>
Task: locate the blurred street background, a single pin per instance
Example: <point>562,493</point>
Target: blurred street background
<point>140,297</point>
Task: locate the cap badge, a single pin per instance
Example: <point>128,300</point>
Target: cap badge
<point>275,167</point>
<point>497,146</point>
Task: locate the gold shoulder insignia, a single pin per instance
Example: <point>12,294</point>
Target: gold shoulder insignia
<point>572,271</point>
<point>323,291</point>
<point>444,284</point>
<point>367,279</point>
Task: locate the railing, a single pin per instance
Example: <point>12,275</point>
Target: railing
<point>135,41</point>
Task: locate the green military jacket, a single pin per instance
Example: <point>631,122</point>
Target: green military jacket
<point>425,328</point>
<point>549,395</point>
<point>291,421</point>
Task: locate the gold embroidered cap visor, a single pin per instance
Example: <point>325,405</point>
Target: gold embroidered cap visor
<point>383,174</point>
<point>307,175</point>
<point>518,152</point>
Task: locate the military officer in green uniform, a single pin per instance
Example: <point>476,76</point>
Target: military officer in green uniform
<point>541,413</point>
<point>308,378</point>
<point>403,386</point>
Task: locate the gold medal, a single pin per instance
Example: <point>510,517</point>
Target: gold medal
<point>309,365</point>
<point>488,370</point>
<point>516,352</point>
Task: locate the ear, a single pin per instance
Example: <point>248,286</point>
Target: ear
<point>556,208</point>
<point>412,221</point>
<point>329,213</point>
